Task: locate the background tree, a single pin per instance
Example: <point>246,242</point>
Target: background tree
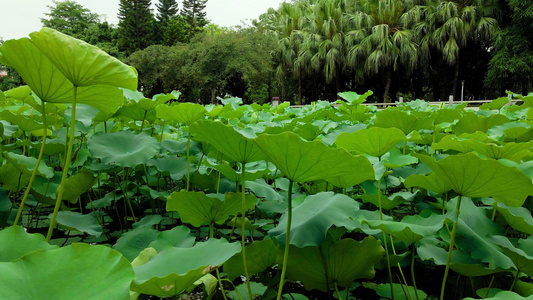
<point>512,65</point>
<point>70,18</point>
<point>167,10</point>
<point>194,14</point>
<point>136,25</point>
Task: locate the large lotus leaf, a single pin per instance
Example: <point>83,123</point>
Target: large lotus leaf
<point>185,113</point>
<point>312,219</point>
<point>131,243</point>
<point>76,185</point>
<point>430,182</point>
<point>81,63</point>
<point>373,141</point>
<point>75,221</point>
<point>472,176</point>
<point>26,165</point>
<point>260,255</point>
<point>227,140</point>
<point>74,271</point>
<point>461,262</point>
<point>522,256</point>
<point>384,291</point>
<point>411,229</point>
<point>257,289</point>
<point>49,84</point>
<point>330,138</point>
<point>471,123</point>
<point>511,151</point>
<point>133,111</point>
<point>179,236</point>
<point>446,115</point>
<point>262,189</point>
<point>172,271</point>
<point>25,243</point>
<point>472,236</point>
<point>398,119</point>
<point>519,218</point>
<point>123,148</point>
<point>23,122</point>
<point>340,261</point>
<point>197,208</point>
<point>302,161</point>
<point>175,166</point>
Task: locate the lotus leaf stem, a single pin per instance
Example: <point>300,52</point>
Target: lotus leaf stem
<point>243,223</point>
<point>34,173</point>
<point>287,241</point>
<point>450,250</point>
<point>61,188</point>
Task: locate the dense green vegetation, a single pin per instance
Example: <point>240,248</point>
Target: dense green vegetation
<point>416,49</point>
<point>162,198</point>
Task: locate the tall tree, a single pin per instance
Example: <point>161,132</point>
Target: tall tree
<point>136,25</point>
<point>167,10</point>
<point>512,65</point>
<point>194,14</point>
<point>69,18</point>
<point>458,23</point>
<point>389,44</point>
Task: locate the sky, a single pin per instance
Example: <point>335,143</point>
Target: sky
<point>18,18</point>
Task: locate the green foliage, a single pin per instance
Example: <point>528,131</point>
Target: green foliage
<point>136,25</point>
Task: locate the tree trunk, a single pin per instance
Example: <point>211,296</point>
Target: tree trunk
<point>299,89</point>
<point>212,96</point>
<point>456,80</point>
<point>387,86</point>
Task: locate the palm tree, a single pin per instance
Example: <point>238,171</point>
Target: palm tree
<point>459,22</point>
<point>389,43</point>
<point>325,39</point>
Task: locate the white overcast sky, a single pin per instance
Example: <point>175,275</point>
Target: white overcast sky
<point>18,18</point>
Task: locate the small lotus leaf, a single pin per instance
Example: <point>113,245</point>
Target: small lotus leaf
<point>472,176</point>
<point>123,148</point>
<point>23,122</point>
<point>80,222</point>
<point>373,141</point>
<point>227,140</point>
<point>411,229</point>
<point>185,113</point>
<point>260,255</point>
<point>131,243</point>
<point>504,295</point>
<point>179,236</point>
<point>26,165</point>
<point>519,218</point>
<point>340,261</point>
<point>77,184</point>
<point>257,291</point>
<point>522,257</point>
<point>171,272</point>
<point>197,208</point>
<point>302,161</point>
<point>26,243</point>
<point>175,166</point>
<point>312,219</point>
<point>77,270</point>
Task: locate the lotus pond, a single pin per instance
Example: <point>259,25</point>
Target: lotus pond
<point>106,194</point>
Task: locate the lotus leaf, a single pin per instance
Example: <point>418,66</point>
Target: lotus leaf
<point>197,208</point>
<point>260,255</point>
<point>171,272</point>
<point>373,141</point>
<point>302,161</point>
<point>472,176</point>
<point>522,256</point>
<point>179,236</point>
<point>131,243</point>
<point>185,113</point>
<point>340,261</point>
<point>80,222</point>
<point>26,243</point>
<point>77,272</point>
<point>315,216</point>
<point>77,184</point>
<point>26,165</point>
<point>123,148</point>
